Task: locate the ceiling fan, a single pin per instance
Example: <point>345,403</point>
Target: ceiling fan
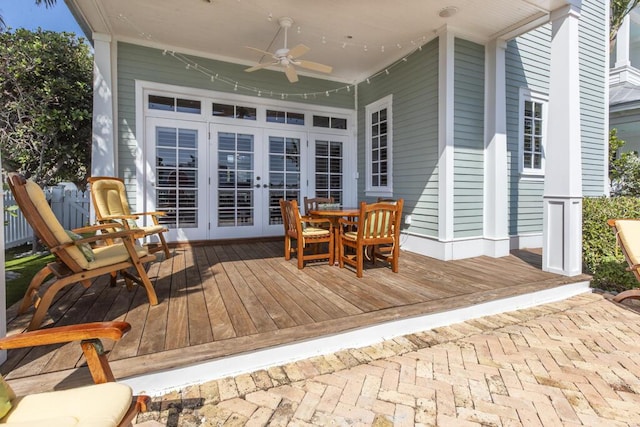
<point>288,58</point>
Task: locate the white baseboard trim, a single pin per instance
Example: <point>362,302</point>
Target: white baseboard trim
<point>159,383</point>
<point>455,249</point>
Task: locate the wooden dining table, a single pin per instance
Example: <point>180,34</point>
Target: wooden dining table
<point>334,214</point>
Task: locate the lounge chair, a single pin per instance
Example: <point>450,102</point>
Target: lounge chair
<point>628,238</point>
<point>110,203</point>
<point>75,260</point>
<point>103,404</point>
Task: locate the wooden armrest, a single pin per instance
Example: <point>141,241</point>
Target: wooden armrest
<point>112,217</point>
<point>134,233</point>
<point>64,334</point>
<point>156,213</point>
<point>96,227</point>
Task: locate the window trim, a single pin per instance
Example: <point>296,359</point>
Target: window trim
<point>382,103</point>
<point>529,95</point>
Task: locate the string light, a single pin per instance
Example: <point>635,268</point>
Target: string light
<point>190,64</point>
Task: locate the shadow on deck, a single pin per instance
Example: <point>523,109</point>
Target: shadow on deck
<point>226,300</point>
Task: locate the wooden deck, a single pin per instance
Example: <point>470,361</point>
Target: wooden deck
<point>223,299</point>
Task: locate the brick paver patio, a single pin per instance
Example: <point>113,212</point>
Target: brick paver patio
<point>574,362</point>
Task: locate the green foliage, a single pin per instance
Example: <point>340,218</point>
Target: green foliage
<point>27,265</point>
<point>46,105</point>
<point>600,255</point>
<point>624,169</point>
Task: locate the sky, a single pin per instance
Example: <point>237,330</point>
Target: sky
<point>25,14</point>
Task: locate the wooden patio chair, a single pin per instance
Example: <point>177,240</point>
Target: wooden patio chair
<point>311,204</point>
<point>308,235</point>
<point>75,260</point>
<point>377,224</point>
<point>109,197</point>
<point>105,403</point>
<point>628,238</point>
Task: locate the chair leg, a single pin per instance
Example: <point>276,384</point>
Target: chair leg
<point>287,247</point>
<point>300,253</point>
<point>359,260</point>
<point>142,274</point>
<point>47,299</point>
<point>630,293</point>
<point>167,253</point>
<point>32,290</point>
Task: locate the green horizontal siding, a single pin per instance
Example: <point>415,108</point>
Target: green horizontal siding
<point>468,191</point>
<point>143,63</point>
<point>593,99</point>
<point>414,86</point>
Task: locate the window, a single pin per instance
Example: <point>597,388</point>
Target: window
<point>285,117</point>
<point>329,122</point>
<point>379,146</point>
<point>532,132</point>
<point>233,111</point>
<point>180,105</point>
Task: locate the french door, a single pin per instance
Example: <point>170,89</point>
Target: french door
<point>252,168</point>
<point>174,177</point>
<point>218,181</point>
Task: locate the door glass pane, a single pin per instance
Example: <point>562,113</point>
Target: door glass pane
<point>236,204</point>
<point>329,169</point>
<point>284,174</point>
<point>176,176</point>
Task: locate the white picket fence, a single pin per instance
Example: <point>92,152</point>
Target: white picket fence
<point>70,207</point>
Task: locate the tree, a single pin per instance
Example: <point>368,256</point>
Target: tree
<point>45,105</point>
<point>619,10</point>
<point>624,168</point>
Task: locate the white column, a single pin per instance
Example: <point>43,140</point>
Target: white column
<point>496,231</point>
<point>103,147</point>
<point>445,140</point>
<point>622,44</point>
<point>562,223</point>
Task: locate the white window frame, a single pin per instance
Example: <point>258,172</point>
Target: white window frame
<point>381,104</point>
<point>528,95</point>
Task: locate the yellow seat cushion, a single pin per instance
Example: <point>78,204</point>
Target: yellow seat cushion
<point>100,405</point>
<point>629,235</point>
<point>109,255</point>
<point>314,232</point>
<point>39,200</point>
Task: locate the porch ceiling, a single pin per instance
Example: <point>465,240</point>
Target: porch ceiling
<point>356,37</point>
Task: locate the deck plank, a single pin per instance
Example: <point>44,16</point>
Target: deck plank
<point>226,298</point>
<point>177,327</point>
<point>199,324</point>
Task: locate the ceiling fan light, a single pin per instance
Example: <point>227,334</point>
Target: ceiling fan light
<point>448,12</point>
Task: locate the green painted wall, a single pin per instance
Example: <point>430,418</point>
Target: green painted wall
<point>142,63</point>
<point>594,68</point>
<point>414,86</point>
<point>527,65</point>
<point>468,139</point>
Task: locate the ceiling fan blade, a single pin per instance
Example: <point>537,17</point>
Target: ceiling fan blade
<point>298,51</point>
<point>291,73</point>
<point>314,66</point>
<point>264,52</point>
<point>260,66</point>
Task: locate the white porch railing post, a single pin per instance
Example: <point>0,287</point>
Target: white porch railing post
<point>562,221</point>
